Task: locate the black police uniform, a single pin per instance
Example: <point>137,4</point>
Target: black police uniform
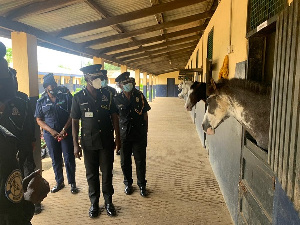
<point>133,132</point>
<point>14,210</point>
<point>56,116</point>
<point>17,118</point>
<point>97,139</point>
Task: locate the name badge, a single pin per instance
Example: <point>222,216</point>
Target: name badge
<point>89,114</point>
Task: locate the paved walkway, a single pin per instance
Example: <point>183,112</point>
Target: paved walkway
<point>183,189</point>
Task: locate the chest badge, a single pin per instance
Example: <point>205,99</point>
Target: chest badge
<point>104,98</point>
<point>137,99</point>
<point>15,111</point>
<point>13,187</point>
<point>89,114</point>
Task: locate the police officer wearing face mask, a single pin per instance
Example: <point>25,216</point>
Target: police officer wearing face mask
<point>17,195</point>
<point>133,108</point>
<point>104,83</point>
<point>95,107</point>
<point>53,116</point>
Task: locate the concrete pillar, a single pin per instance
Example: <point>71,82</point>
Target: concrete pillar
<point>123,68</point>
<point>145,84</point>
<point>137,79</point>
<point>97,60</point>
<point>24,50</point>
<point>62,80</point>
<point>150,87</point>
<point>153,86</point>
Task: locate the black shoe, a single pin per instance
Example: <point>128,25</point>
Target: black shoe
<point>74,189</point>
<point>94,210</point>
<point>110,209</point>
<point>118,152</point>
<point>57,187</point>
<point>143,191</point>
<point>37,208</point>
<point>128,190</point>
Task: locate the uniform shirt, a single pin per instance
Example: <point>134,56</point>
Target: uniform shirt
<point>16,119</point>
<point>132,123</point>
<point>95,114</point>
<point>55,114</point>
<point>111,89</point>
<point>11,191</point>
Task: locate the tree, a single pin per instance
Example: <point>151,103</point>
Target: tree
<point>8,55</point>
<point>108,66</point>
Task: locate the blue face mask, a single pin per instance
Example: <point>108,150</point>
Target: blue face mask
<point>127,87</point>
<point>104,83</point>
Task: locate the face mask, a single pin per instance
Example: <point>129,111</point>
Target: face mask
<point>127,87</point>
<point>96,83</point>
<point>104,83</point>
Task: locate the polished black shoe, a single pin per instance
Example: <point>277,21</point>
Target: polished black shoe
<point>57,187</point>
<point>110,209</point>
<point>74,189</point>
<point>143,191</point>
<point>37,208</point>
<point>94,211</point>
<point>128,190</point>
<point>118,152</point>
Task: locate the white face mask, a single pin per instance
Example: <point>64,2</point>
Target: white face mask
<point>96,83</point>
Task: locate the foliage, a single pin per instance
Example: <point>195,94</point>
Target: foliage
<point>8,55</point>
<point>64,67</point>
<point>82,81</point>
<point>108,66</point>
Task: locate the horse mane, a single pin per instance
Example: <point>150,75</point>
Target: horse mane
<point>249,85</point>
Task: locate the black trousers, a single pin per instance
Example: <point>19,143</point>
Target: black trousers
<point>93,159</point>
<point>138,148</point>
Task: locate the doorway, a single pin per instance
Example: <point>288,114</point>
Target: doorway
<point>170,87</point>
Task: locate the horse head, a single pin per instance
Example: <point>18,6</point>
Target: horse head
<point>218,106</point>
<point>196,93</point>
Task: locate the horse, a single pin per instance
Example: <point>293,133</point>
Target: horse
<point>247,101</point>
<point>196,93</point>
<point>185,88</point>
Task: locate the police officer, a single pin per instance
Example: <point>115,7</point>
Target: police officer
<point>17,195</point>
<point>133,108</point>
<point>104,83</point>
<point>53,116</point>
<point>95,108</point>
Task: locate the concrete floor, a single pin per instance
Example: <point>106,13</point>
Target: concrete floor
<point>183,188</point>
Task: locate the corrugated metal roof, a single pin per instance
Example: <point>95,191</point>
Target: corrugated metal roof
<point>139,23</point>
<point>52,21</point>
<point>119,7</point>
<point>8,5</point>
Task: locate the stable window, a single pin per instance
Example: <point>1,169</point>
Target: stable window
<point>210,43</point>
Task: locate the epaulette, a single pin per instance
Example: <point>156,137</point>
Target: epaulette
<point>43,95</point>
<point>6,133</point>
<point>62,90</point>
<point>81,92</point>
<point>22,96</point>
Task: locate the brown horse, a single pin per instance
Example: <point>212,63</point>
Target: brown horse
<point>196,93</point>
<point>247,101</point>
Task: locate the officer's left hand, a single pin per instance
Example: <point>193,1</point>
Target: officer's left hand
<point>63,134</point>
<point>118,144</point>
<point>35,187</point>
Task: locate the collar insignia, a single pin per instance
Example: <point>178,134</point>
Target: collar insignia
<point>15,111</point>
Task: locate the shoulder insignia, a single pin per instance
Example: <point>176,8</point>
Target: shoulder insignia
<point>137,99</point>
<point>104,98</point>
<point>13,187</point>
<point>15,111</point>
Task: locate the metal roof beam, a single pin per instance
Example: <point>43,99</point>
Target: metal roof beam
<point>175,4</point>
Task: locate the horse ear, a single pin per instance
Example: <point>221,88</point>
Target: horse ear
<point>213,84</point>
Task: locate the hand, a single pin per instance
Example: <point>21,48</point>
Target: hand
<point>118,144</point>
<point>77,151</point>
<point>35,187</point>
<point>54,133</point>
<point>63,134</point>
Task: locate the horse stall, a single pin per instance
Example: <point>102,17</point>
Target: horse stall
<point>262,186</point>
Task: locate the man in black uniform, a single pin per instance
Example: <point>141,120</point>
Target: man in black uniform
<point>17,195</point>
<point>98,114</point>
<point>53,115</point>
<point>133,108</point>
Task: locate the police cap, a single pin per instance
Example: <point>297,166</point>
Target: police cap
<point>123,77</point>
<point>92,69</point>
<point>48,80</point>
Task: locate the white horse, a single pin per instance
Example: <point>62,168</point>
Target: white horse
<point>185,88</point>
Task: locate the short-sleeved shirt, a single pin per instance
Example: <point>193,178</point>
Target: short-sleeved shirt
<point>132,123</point>
<point>55,114</point>
<point>97,130</point>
